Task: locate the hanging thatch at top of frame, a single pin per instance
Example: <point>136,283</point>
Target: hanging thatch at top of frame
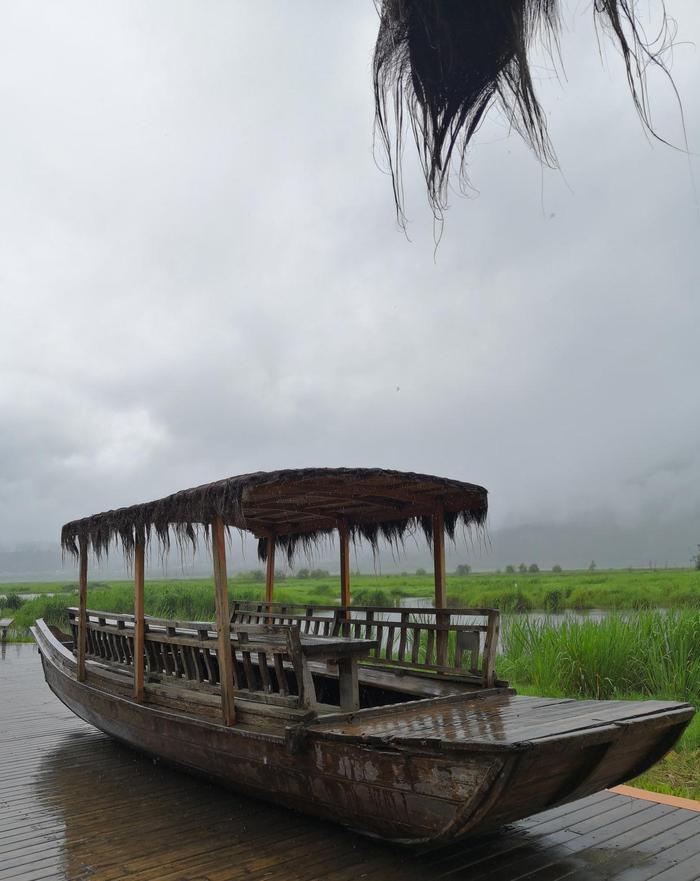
<point>295,507</point>
<point>444,63</point>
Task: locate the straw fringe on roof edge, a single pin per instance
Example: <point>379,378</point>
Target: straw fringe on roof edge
<point>440,66</point>
<point>186,515</point>
<point>392,531</point>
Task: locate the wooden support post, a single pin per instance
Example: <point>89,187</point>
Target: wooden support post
<point>305,680</point>
<point>349,685</point>
<point>82,610</point>
<point>270,572</point>
<point>439,558</point>
<point>344,536</point>
<point>139,628</point>
<point>439,569</point>
<point>491,648</point>
<point>223,622</point>
<point>5,624</point>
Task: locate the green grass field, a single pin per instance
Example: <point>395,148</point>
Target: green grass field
<point>552,591</point>
<point>633,653</point>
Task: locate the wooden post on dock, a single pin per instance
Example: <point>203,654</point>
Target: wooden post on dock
<point>270,572</point>
<point>82,609</point>
<point>223,622</point>
<point>439,569</point>
<point>139,626</point>
<point>344,536</point>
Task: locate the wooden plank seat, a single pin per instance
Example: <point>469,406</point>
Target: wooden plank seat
<point>444,642</point>
<point>271,662</point>
<point>273,669</point>
<point>185,653</point>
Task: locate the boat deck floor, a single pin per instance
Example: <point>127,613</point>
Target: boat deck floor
<point>504,720</point>
<point>75,805</point>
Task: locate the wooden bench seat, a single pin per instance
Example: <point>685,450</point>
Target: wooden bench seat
<point>276,672</point>
<point>448,642</point>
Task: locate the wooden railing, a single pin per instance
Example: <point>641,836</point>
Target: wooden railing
<point>272,669</point>
<point>449,642</point>
<point>446,641</point>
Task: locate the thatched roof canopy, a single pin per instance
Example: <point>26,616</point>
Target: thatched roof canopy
<point>440,65</point>
<point>295,507</point>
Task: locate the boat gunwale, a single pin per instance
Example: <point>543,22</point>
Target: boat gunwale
<point>42,634</point>
<point>312,728</point>
<point>98,668</point>
<point>305,749</point>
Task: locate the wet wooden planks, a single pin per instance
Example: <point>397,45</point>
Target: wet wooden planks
<point>75,805</point>
<point>504,720</point>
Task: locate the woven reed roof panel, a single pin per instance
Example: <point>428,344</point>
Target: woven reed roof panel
<point>296,506</point>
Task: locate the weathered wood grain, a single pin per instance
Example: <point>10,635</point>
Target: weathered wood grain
<point>223,618</point>
<point>75,804</point>
<point>411,642</point>
<point>347,767</point>
<point>139,627</point>
<point>344,542</point>
<point>270,570</point>
<point>81,645</point>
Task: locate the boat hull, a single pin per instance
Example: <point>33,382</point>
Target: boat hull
<point>422,793</point>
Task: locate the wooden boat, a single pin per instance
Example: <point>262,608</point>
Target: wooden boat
<point>390,721</point>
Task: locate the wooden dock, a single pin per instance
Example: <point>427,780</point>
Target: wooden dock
<point>76,806</point>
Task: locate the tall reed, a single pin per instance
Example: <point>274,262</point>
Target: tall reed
<point>646,653</point>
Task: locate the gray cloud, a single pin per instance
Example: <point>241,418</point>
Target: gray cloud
<point>200,273</point>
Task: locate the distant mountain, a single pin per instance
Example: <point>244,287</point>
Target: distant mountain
<point>31,562</point>
<point>572,545</point>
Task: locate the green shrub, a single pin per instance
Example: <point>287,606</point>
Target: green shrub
<point>373,597</point>
<point>508,601</point>
<point>13,601</point>
<point>522,603</point>
<point>324,590</point>
<point>54,610</point>
<point>553,601</point>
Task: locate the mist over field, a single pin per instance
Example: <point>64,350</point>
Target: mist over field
<point>572,546</point>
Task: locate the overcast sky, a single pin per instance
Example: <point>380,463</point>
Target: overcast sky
<point>201,272</point>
